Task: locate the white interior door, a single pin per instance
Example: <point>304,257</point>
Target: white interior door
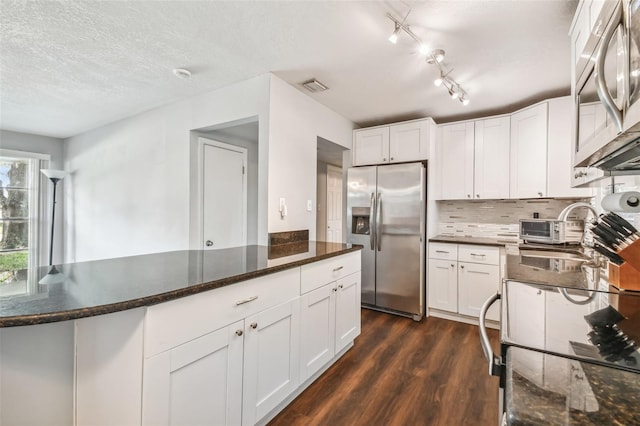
<point>224,185</point>
<point>334,204</point>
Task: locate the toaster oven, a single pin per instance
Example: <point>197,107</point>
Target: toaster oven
<point>551,231</point>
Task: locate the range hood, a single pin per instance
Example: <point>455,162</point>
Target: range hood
<point>625,160</point>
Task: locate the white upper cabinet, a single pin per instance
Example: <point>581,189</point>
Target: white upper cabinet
<point>409,141</point>
<point>561,176</point>
<point>491,158</point>
<point>371,146</point>
<point>395,143</point>
<point>529,152</point>
<point>455,160</point>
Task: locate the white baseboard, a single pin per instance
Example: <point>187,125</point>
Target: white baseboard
<point>461,318</point>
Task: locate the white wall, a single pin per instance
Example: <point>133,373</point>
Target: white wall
<point>296,121</point>
<point>54,148</point>
<point>129,188</point>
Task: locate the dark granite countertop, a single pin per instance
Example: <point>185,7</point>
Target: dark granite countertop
<point>105,286</point>
<point>471,240</point>
<point>572,393</point>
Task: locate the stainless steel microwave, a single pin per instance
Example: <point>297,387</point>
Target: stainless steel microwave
<point>551,231</point>
<point>607,91</point>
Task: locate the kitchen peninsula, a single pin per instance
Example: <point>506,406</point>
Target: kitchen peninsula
<point>243,329</point>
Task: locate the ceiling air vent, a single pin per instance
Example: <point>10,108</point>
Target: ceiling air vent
<point>314,86</point>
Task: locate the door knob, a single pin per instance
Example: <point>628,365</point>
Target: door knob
<point>239,332</point>
<point>209,243</point>
<point>254,325</point>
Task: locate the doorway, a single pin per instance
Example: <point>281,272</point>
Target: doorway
<point>330,192</point>
<point>224,190</point>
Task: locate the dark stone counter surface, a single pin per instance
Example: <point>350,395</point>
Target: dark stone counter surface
<point>570,341</point>
<point>104,286</point>
<point>471,240</point>
<point>591,395</point>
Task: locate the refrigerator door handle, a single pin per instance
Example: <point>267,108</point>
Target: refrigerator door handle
<point>378,221</point>
<point>495,362</point>
<point>372,228</point>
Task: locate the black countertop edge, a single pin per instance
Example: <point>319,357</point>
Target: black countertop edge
<point>480,241</point>
<point>24,320</point>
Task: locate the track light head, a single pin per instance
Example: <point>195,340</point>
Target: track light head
<point>393,38</point>
<point>438,81</point>
<point>454,93</point>
<point>436,56</point>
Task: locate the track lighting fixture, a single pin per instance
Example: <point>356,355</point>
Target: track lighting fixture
<point>393,38</point>
<point>433,57</point>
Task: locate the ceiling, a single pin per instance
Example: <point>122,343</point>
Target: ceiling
<point>70,66</point>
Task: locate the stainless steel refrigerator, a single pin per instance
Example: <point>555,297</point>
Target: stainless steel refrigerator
<point>386,215</point>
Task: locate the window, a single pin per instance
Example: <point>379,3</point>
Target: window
<point>19,221</point>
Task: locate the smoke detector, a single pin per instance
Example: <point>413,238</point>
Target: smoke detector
<point>314,86</point>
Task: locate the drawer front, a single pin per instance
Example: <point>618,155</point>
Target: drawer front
<point>317,274</point>
<point>444,251</point>
<point>479,254</point>
<point>173,323</point>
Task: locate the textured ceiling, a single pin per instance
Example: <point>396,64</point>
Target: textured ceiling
<point>70,66</point>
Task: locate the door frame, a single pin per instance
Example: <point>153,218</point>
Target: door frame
<point>202,141</point>
<point>339,171</point>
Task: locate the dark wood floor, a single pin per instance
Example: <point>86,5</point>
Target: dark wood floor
<point>402,372</point>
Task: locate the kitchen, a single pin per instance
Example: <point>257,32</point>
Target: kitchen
<point>111,210</point>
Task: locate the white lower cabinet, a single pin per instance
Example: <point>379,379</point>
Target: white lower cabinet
<point>199,371</point>
<point>271,348</point>
<point>476,282</point>
<point>443,285</point>
<point>330,317</point>
<point>462,277</point>
<point>197,383</point>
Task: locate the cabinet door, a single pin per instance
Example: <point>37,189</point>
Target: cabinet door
<point>476,282</point>
<point>409,141</point>
<point>271,357</point>
<point>529,153</point>
<point>491,159</point>
<point>560,162</point>
<point>199,382</point>
<point>371,146</point>
<point>443,285</point>
<point>455,155</point>
<point>317,331</point>
<point>347,310</point>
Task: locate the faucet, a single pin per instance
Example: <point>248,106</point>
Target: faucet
<point>565,212</point>
<point>596,260</point>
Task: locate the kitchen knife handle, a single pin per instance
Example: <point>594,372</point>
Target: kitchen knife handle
<point>495,363</point>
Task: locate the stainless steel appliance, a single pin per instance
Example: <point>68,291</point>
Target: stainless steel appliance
<point>386,215</point>
<point>607,90</point>
<point>551,231</point>
<point>551,328</point>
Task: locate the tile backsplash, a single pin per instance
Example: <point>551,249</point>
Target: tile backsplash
<point>495,218</point>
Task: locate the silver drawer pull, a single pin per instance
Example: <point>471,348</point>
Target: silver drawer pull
<point>442,251</point>
<point>247,300</point>
<point>338,268</point>
<point>476,254</point>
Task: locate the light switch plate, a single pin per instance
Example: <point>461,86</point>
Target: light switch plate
<point>309,205</point>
